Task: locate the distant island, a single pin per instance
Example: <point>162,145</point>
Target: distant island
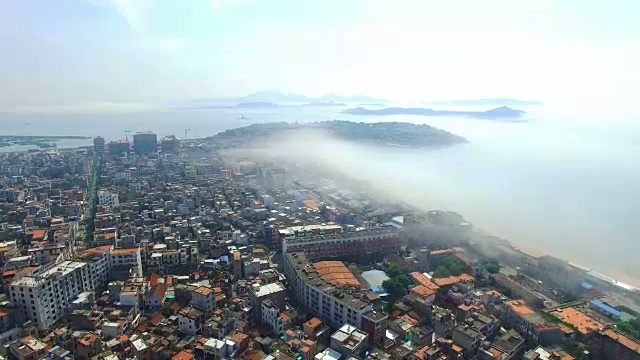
<point>322,103</point>
<point>273,96</point>
<point>502,112</point>
<point>384,133</point>
<point>257,105</point>
<point>490,102</point>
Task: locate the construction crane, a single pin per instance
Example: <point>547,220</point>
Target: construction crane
<point>186,131</point>
<point>126,134</point>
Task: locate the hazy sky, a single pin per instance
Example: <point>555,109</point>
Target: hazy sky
<point>120,53</point>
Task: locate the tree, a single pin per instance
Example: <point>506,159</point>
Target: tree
<point>394,270</point>
<point>441,272</point>
<point>628,328</point>
<point>395,289</point>
<point>492,268</point>
<point>404,280</point>
<point>450,266</point>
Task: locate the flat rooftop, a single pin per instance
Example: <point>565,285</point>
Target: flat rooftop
<point>265,290</point>
<point>387,231</point>
<point>311,277</point>
<point>62,269</point>
<point>584,323</point>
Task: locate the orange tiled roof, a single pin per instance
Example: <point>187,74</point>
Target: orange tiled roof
<point>99,249</point>
<point>520,307</point>
<point>452,280</point>
<point>584,323</point>
<point>125,251</point>
<point>183,355</point>
<point>422,291</point>
<point>335,273</point>
<point>203,290</point>
<point>495,352</point>
<point>157,319</point>
<point>238,337</point>
<point>88,339</point>
<point>424,281</point>
<point>624,340</point>
<point>37,234</point>
<point>313,322</point>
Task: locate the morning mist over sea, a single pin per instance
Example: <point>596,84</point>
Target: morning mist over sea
<point>562,183</point>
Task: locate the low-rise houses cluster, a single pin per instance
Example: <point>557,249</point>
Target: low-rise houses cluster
<point>174,251</point>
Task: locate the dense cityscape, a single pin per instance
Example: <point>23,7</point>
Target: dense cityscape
<point>193,249</point>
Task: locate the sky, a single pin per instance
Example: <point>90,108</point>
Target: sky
<point>126,54</point>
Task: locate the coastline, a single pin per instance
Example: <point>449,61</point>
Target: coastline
<point>526,247</point>
<point>516,242</point>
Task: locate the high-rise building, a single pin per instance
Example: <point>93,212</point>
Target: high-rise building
<point>98,145</point>
<point>120,147</point>
<point>169,144</point>
<point>45,295</point>
<point>145,143</point>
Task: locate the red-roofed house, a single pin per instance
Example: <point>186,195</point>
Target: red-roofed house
<point>156,295</point>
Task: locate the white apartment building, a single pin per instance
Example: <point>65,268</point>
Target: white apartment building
<point>45,254</point>
<point>272,316</point>
<point>45,295</point>
<point>204,298</point>
<point>349,340</point>
<point>128,259</point>
<point>334,306</point>
<point>99,261</point>
<point>108,198</point>
<point>191,320</point>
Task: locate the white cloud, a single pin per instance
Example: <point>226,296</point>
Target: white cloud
<point>133,12</point>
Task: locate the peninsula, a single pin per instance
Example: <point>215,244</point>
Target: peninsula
<point>499,113</point>
<point>44,141</point>
<point>386,133</point>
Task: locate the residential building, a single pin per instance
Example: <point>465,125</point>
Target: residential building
<point>28,348</point>
<point>191,320</point>
<point>344,244</point>
<point>274,317</point>
<point>374,323</point>
<point>98,145</point>
<point>311,327</point>
<point>120,147</point>
<point>259,293</point>
<point>505,347</point>
<point>108,198</point>
<point>145,143</point>
<point>468,338</point>
<point>204,298</point>
<point>540,353</point>
<point>531,324</point>
<point>44,296</point>
<point>583,323</point>
<point>608,344</point>
<point>349,341</point>
<point>156,296</point>
<point>126,262</point>
<point>335,302</point>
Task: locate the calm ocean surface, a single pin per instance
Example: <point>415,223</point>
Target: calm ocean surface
<point>551,185</point>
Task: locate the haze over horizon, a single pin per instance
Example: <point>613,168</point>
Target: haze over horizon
<point>123,55</point>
